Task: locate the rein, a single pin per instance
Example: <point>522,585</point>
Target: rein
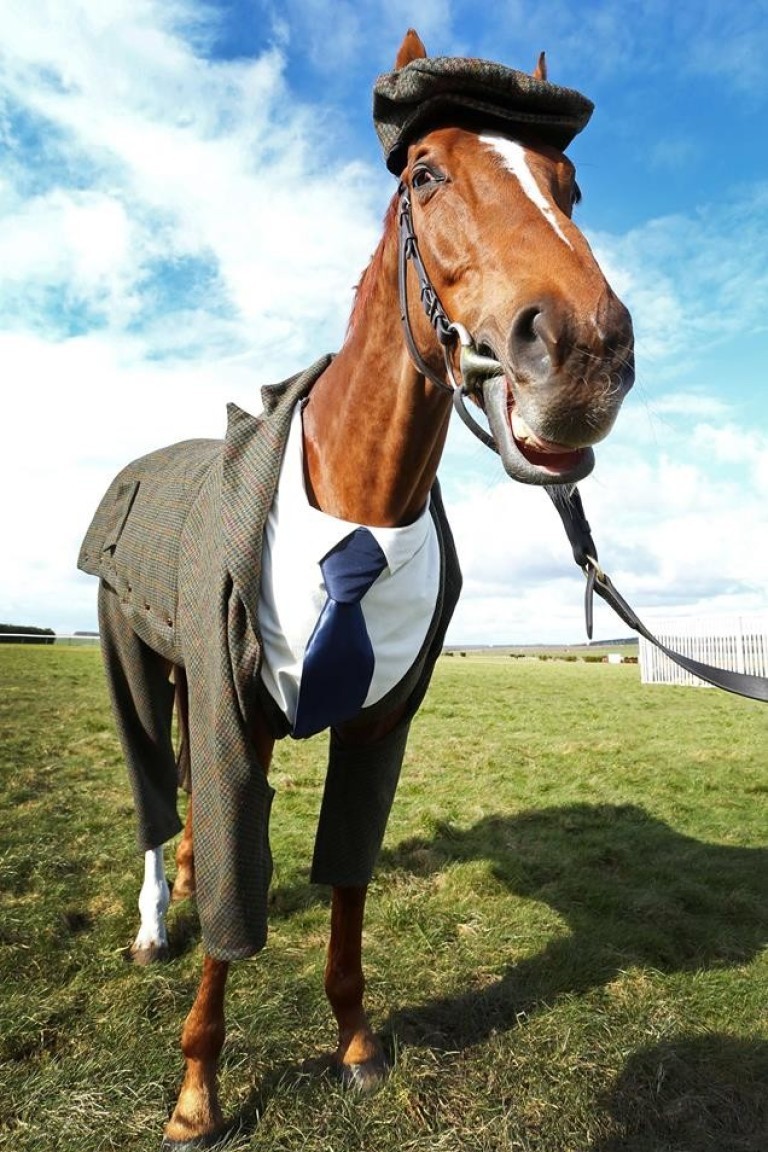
<point>566,498</point>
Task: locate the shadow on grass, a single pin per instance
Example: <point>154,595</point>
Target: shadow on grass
<point>632,891</point>
<point>183,928</point>
<point>292,1076</point>
<point>698,1093</point>
<point>288,899</point>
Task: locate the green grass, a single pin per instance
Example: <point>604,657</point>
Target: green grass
<point>565,945</point>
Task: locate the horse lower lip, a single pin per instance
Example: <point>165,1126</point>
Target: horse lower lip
<point>529,458</point>
<point>555,462</point>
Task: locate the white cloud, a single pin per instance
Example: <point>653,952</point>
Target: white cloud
<point>359,31</point>
<point>75,236</point>
<point>157,206</point>
<point>196,158</point>
<point>730,42</point>
<point>690,405</point>
<point>692,281</point>
<point>674,153</point>
<point>67,249</point>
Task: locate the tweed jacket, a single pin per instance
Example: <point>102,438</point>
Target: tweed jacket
<point>177,539</point>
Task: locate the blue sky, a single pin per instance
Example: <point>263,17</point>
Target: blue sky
<point>189,192</point>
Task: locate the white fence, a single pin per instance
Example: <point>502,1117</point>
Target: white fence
<point>739,643</point>
<point>73,639</point>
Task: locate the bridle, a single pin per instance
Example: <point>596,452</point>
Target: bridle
<point>447,332</point>
<point>473,366</point>
<point>475,369</point>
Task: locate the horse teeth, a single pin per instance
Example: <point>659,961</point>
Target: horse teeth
<point>524,435</point>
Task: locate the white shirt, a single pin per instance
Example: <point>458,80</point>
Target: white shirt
<point>397,609</point>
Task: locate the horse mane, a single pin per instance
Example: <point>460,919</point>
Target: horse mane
<point>369,278</point>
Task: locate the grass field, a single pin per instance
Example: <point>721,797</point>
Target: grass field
<point>565,946</point>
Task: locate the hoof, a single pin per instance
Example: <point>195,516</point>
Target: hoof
<point>198,1143</point>
<point>364,1079</point>
<point>154,954</point>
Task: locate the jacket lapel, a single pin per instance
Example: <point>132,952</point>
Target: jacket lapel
<point>253,454</point>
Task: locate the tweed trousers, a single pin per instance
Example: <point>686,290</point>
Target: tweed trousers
<point>176,542</point>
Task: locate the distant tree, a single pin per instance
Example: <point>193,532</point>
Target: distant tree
<point>25,634</point>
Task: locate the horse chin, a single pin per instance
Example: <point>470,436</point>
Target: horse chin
<point>535,461</point>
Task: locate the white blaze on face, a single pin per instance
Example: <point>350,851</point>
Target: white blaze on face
<point>513,155</point>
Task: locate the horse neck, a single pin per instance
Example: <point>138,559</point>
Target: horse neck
<point>374,428</point>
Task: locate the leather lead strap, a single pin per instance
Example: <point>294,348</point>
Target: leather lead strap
<point>571,511</point>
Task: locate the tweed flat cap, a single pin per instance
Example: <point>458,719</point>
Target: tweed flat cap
<point>437,91</point>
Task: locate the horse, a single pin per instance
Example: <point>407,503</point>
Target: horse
<point>480,229</point>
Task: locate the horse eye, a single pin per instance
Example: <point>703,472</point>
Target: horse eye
<point>423,176</point>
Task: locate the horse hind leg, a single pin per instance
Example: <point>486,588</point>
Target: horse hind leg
<point>151,943</point>
<point>197,1121</point>
<point>184,885</point>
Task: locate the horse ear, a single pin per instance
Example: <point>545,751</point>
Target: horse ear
<point>410,49</point>
<point>540,71</point>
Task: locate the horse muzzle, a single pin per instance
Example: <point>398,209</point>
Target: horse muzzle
<point>558,387</point>
<point>544,434</point>
<point>526,456</point>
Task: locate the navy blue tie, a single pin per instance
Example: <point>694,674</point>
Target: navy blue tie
<point>339,661</point>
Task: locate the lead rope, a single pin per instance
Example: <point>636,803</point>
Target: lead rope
<point>566,499</point>
<point>568,503</point>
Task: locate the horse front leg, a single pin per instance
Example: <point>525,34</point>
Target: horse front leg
<point>360,1057</point>
<point>151,943</point>
<point>197,1121</point>
<point>363,769</point>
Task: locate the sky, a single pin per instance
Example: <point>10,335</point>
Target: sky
<point>189,193</point>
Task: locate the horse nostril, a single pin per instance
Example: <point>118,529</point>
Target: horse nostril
<point>533,341</point>
<point>524,326</point>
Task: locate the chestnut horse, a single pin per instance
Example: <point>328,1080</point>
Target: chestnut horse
<point>533,311</point>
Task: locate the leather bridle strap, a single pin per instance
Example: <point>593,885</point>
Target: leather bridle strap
<point>446,332</point>
<point>473,365</point>
<point>568,503</point>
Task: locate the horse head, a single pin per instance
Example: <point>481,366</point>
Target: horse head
<point>551,355</point>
